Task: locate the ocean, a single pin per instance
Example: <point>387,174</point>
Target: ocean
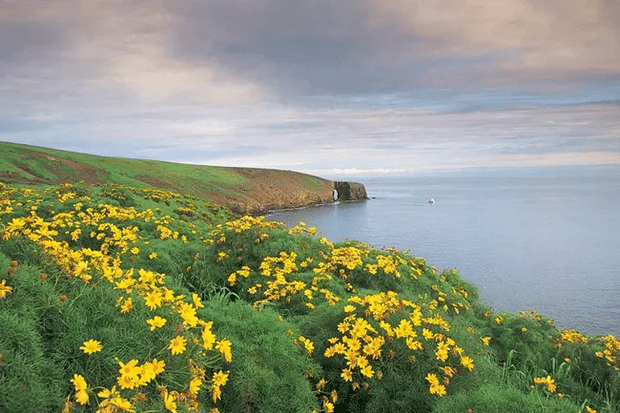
<point>541,239</point>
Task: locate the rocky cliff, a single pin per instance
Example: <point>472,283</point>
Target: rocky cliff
<point>267,190</point>
<point>350,191</point>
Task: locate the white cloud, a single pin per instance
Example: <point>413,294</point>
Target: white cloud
<point>203,127</point>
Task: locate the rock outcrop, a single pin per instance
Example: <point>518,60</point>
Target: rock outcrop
<point>349,191</point>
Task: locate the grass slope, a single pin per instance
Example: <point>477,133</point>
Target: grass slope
<point>242,189</point>
<point>145,300</point>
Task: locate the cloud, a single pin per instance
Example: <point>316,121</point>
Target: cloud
<point>203,127</point>
<point>366,85</point>
<point>381,45</point>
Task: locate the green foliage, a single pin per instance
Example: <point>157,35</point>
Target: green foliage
<point>312,325</point>
<point>269,373</point>
<point>498,398</point>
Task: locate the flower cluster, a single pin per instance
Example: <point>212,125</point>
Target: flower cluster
<point>95,244</point>
<point>374,331</point>
<point>611,352</point>
<point>547,382</point>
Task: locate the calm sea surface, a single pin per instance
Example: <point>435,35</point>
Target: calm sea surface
<point>530,239</point>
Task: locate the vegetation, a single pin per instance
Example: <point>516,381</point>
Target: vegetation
<point>116,298</point>
<point>246,190</point>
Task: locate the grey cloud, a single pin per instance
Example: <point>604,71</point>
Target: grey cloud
<point>325,46</point>
<point>321,46</point>
<point>23,40</point>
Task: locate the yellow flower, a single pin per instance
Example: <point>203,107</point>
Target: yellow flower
<point>169,402</point>
<point>347,375</point>
<point>130,369</point>
<point>5,289</point>
<point>467,362</point>
<point>90,347</point>
<point>177,345</point>
<point>435,387</point>
<point>197,301</point>
<point>194,386</point>
<point>224,347</point>
<point>158,366</point>
<point>349,308</point>
<point>219,379</point>
<point>147,373</point>
<point>128,382</point>
<point>81,397</point>
<point>548,381</point>
<point>208,338</point>
<point>188,313</point>
<point>156,322</point>
<point>367,371</point>
<point>153,299</point>
<point>127,305</point>
<point>79,382</point>
<point>153,255</point>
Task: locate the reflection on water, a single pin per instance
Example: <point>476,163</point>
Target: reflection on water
<point>545,240</point>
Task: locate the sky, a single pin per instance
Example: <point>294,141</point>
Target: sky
<point>319,86</point>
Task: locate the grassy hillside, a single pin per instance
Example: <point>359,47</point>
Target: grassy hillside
<point>131,299</point>
<point>242,189</point>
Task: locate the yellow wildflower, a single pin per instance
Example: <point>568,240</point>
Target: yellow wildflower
<point>197,301</point>
<point>153,299</point>
<point>90,347</point>
<point>467,362</point>
<point>127,305</point>
<point>188,313</point>
<point>81,397</point>
<point>177,345</point>
<point>128,382</point>
<point>347,375</point>
<point>224,347</point>
<point>208,338</point>
<point>548,382</point>
<point>130,369</point>
<point>435,387</point>
<point>169,402</point>
<point>158,366</point>
<point>219,379</point>
<point>5,289</point>
<point>78,382</point>
<point>194,386</point>
<point>156,322</point>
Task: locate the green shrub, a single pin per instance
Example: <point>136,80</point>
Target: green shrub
<point>269,373</point>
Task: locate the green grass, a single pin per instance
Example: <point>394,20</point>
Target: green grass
<point>49,167</point>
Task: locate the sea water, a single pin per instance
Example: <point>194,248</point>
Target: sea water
<point>544,239</point>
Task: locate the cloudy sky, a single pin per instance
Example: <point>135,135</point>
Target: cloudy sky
<point>323,86</point>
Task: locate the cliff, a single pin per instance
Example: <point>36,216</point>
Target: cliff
<point>350,191</point>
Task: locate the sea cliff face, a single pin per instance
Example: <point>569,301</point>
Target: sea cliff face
<point>268,190</point>
<point>350,191</point>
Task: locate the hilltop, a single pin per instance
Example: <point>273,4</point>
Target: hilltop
<point>243,190</point>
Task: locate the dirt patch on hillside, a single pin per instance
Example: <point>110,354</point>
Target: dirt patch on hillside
<point>62,168</point>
